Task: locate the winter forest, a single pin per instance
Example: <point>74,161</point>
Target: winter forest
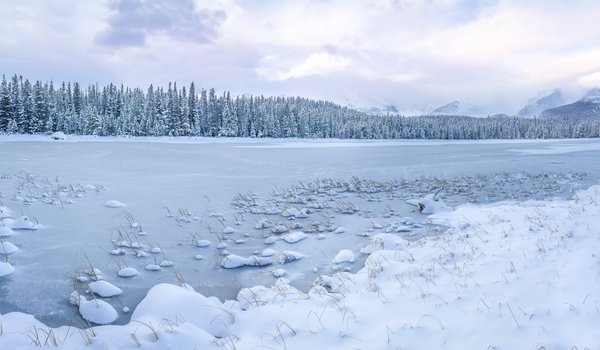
<point>179,111</point>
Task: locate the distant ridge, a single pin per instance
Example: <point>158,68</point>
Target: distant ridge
<point>459,108</point>
<point>545,101</point>
<point>586,107</point>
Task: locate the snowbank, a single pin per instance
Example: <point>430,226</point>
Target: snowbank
<point>504,276</point>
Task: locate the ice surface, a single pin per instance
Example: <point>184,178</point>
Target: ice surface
<point>77,232</point>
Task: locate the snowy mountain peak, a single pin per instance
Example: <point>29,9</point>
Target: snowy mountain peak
<point>542,102</point>
<point>593,96</point>
<point>586,107</point>
<point>459,108</point>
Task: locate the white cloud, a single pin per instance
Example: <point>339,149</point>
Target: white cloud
<point>420,52</point>
<point>320,63</point>
<point>590,80</point>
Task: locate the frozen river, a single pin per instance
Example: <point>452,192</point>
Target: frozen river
<point>202,177</point>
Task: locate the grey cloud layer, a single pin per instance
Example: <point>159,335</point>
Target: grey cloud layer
<point>134,20</point>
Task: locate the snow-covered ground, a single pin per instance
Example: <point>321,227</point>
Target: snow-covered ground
<point>350,260</point>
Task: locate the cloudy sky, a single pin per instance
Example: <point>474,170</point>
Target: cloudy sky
<point>417,54</point>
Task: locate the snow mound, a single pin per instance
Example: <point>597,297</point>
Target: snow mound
<point>344,256</point>
<point>430,204</point>
<point>277,229</point>
<point>203,243</point>
<point>95,273</point>
<point>289,256</point>
<point>395,227</point>
<point>233,261</point>
<point>7,248</point>
<point>6,232</point>
<point>279,273</point>
<point>294,237</point>
<point>6,269</point>
<point>339,230</point>
<point>104,289</point>
<point>166,263</point>
<point>271,239</point>
<point>228,230</point>
<point>127,272</point>
<point>114,204</point>
<point>153,267</point>
<point>295,213</point>
<point>23,223</point>
<point>267,252</point>
<point>97,311</point>
<point>4,213</point>
<point>170,302</point>
<point>384,241</point>
<point>257,296</point>
<point>59,135</point>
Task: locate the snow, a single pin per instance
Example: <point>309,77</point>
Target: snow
<point>6,232</point>
<point>593,96</point>
<point>289,256</point>
<point>267,252</point>
<point>506,275</point>
<point>279,273</point>
<point>459,108</point>
<point>203,243</point>
<point>7,248</point>
<point>104,289</point>
<point>430,204</point>
<point>223,169</point>
<point>127,272</point>
<point>339,230</point>
<point>233,261</point>
<point>59,135</point>
<point>153,267</point>
<point>22,223</point>
<point>6,269</point>
<point>114,204</point>
<point>294,237</point>
<point>97,311</point>
<point>384,241</point>
<point>344,256</point>
<point>543,101</point>
<point>271,240</point>
<point>166,263</point>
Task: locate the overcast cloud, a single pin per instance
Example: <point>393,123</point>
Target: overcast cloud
<point>417,54</point>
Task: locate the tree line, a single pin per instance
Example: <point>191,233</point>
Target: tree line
<point>42,107</point>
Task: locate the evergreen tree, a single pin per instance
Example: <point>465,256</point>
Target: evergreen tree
<point>5,105</point>
<point>229,124</point>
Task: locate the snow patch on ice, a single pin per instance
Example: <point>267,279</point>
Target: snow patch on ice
<point>114,204</point>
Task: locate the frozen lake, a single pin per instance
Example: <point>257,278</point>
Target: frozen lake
<point>199,180</point>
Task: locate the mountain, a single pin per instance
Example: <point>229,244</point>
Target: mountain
<point>541,103</point>
<point>459,108</point>
<point>369,105</point>
<point>586,107</point>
